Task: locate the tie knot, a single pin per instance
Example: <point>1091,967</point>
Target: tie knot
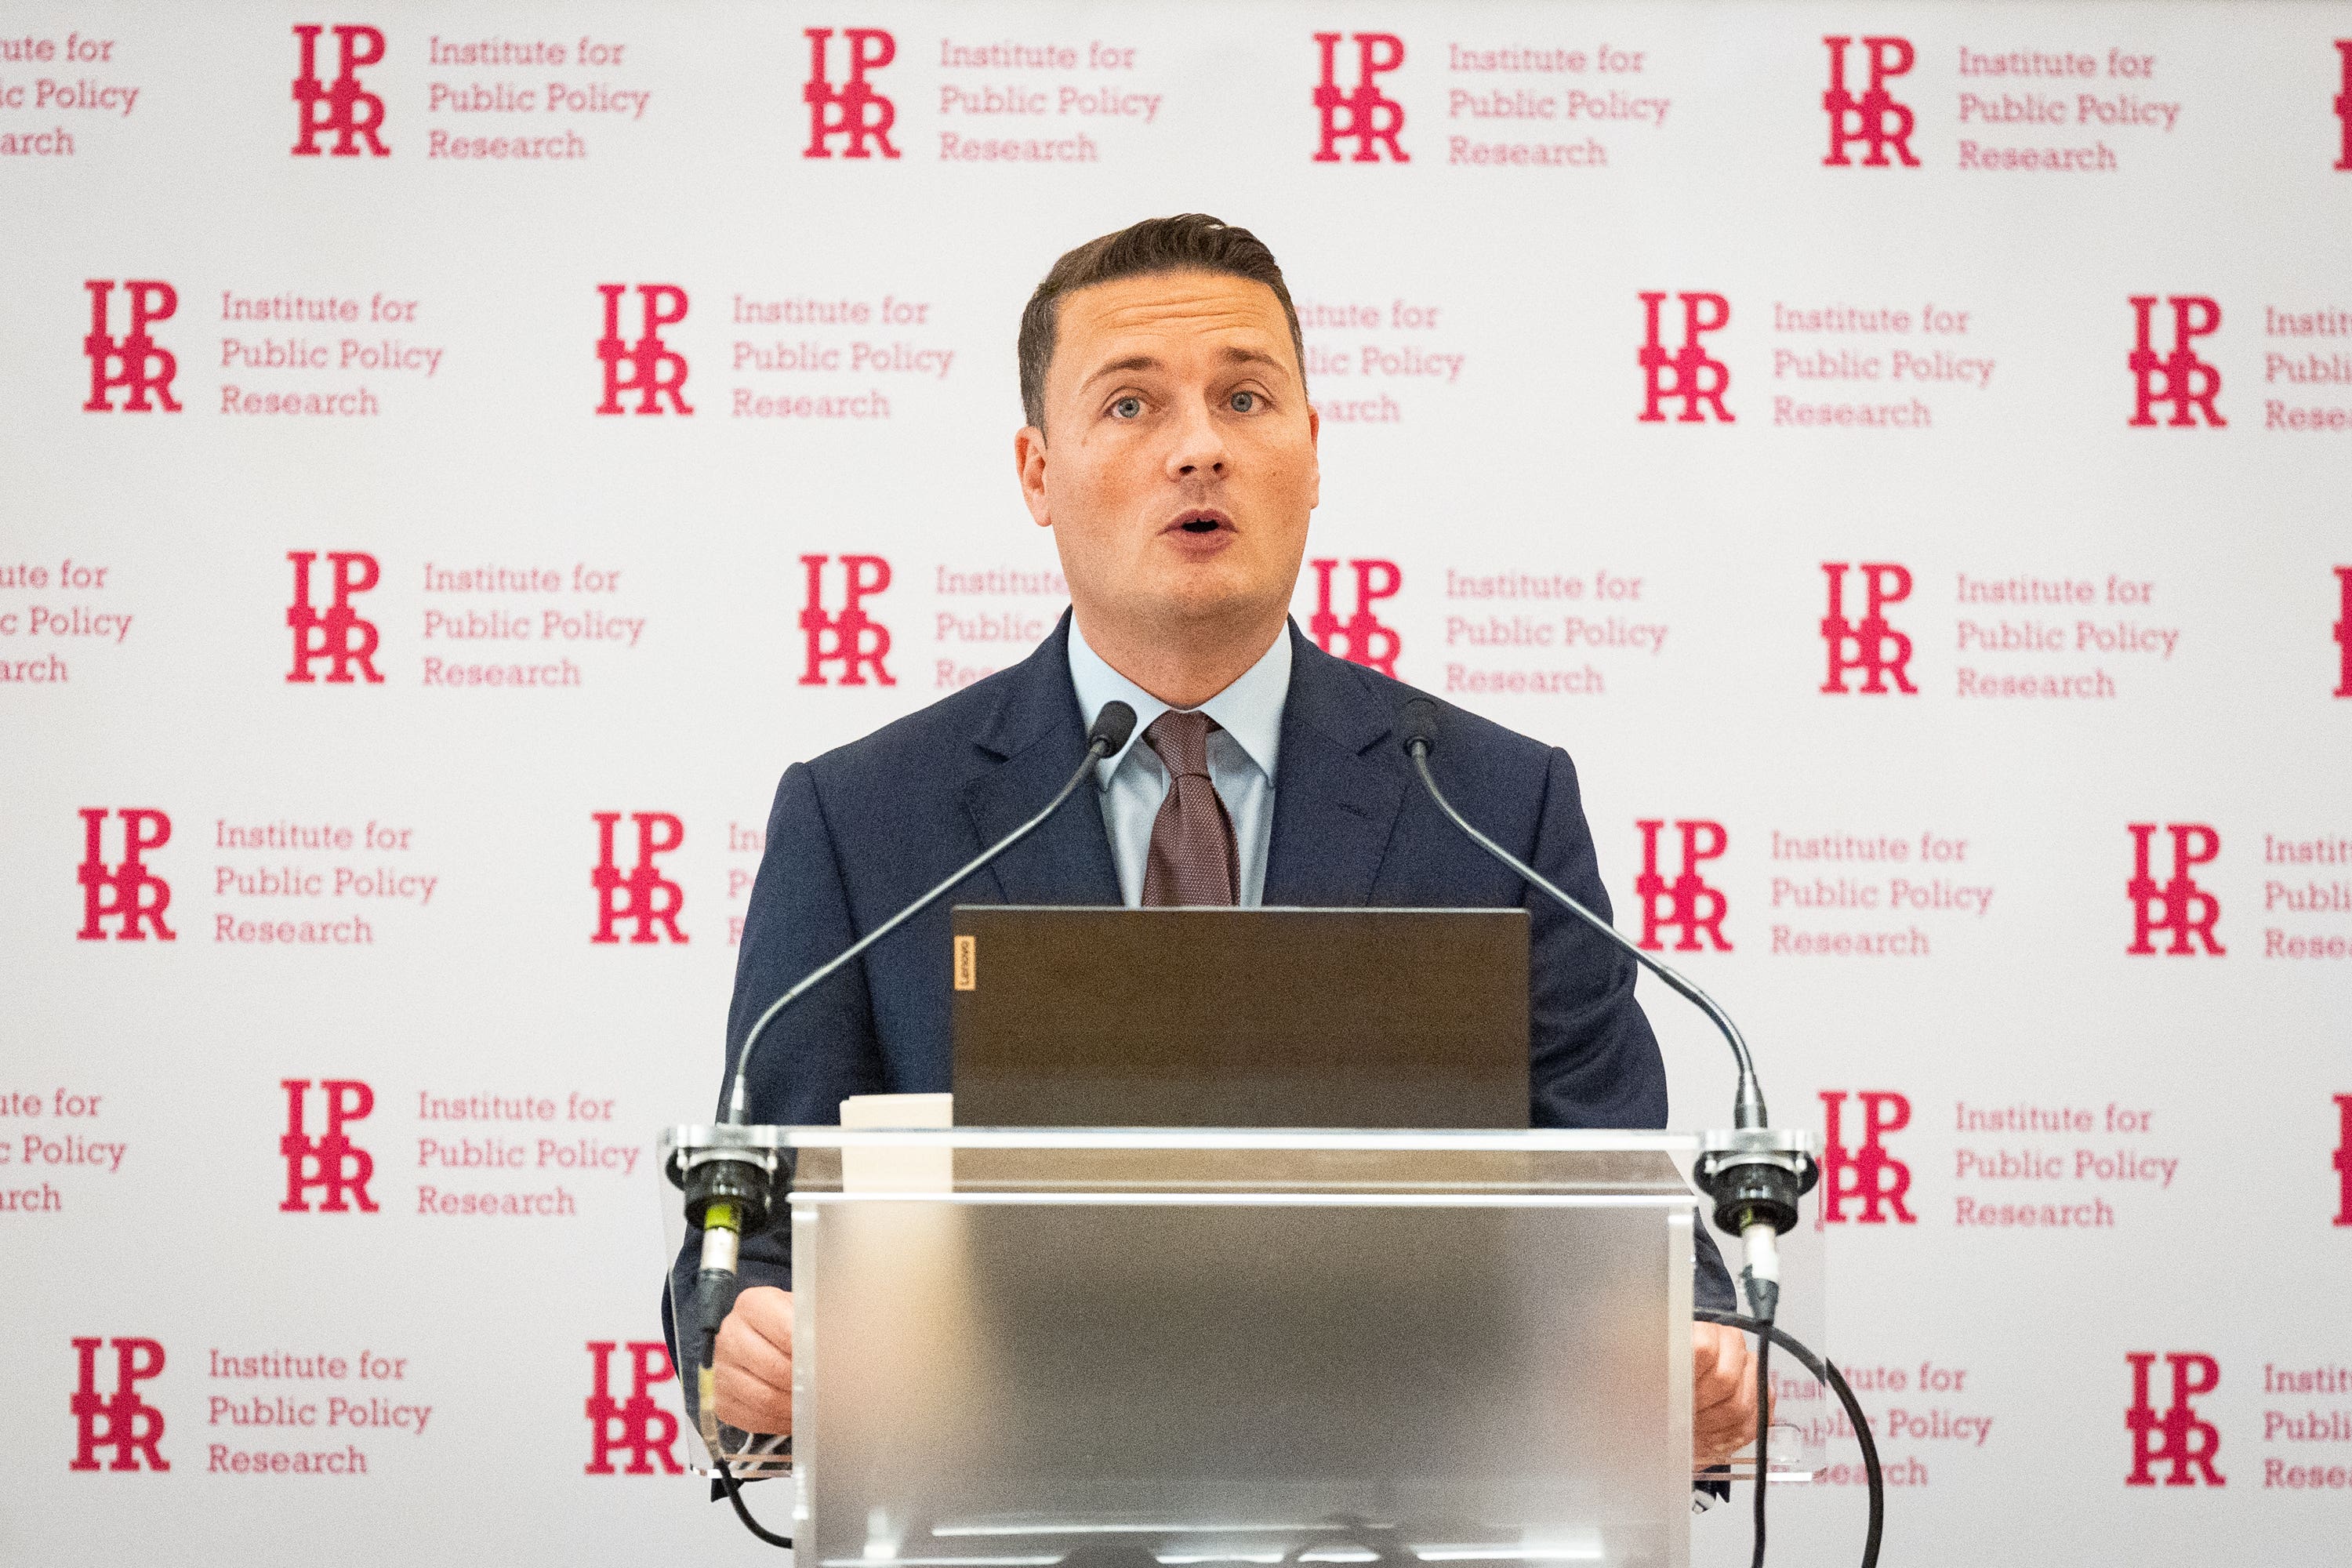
<point>1181,740</point>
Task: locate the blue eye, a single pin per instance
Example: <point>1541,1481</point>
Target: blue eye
<point>1127,408</point>
<point>1243,401</point>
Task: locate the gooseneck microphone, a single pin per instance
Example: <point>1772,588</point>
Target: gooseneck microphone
<point>1111,727</point>
<point>1755,1180</point>
<point>1756,1190</point>
<point>726,1190</point>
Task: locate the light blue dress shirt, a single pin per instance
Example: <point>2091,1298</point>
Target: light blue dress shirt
<point>1241,754</point>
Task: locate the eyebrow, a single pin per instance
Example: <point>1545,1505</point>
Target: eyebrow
<point>1132,362</point>
<point>1233,355</point>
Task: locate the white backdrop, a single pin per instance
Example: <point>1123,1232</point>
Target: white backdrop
<point>1927,375</point>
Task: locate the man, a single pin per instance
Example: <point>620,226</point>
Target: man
<point>1172,450</point>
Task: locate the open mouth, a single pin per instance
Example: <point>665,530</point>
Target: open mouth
<point>1202,522</point>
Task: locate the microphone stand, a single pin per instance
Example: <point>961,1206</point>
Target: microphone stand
<point>728,1185</point>
<point>1754,1174</point>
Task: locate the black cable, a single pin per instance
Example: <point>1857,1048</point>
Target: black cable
<point>1827,1371</point>
<point>735,1495</point>
<point>1763,1434</point>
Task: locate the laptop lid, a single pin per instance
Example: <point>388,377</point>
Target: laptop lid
<point>1240,1017</point>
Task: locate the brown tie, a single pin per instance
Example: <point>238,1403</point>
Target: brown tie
<point>1192,859</point>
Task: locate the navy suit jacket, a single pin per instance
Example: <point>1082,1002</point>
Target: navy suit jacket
<point>858,833</point>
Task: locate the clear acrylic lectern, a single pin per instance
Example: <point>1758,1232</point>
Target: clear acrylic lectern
<point>1047,1349</point>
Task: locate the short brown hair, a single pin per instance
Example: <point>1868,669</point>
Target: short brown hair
<point>1189,242</point>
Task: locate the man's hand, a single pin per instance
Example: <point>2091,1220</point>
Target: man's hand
<point>754,1363</point>
<point>1723,1393</point>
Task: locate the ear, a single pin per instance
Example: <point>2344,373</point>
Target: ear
<point>1029,464</point>
<point>1315,455</point>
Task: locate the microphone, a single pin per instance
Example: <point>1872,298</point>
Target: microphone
<point>1756,1182</point>
<point>727,1189</point>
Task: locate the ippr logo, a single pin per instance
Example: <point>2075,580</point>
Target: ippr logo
<point>2181,378</point>
<point>2344,632</point>
<point>2179,1437</point>
<point>336,633</point>
<point>2178,904</point>
<point>132,361</point>
<point>121,1420</point>
<point>1869,1175</point>
<point>2344,1160</point>
<point>1688,372</point>
<point>1687,903</point>
<point>342,106</point>
<point>1362,637</point>
<point>649,367</point>
<point>1870,645</point>
<point>642,894</point>
<point>635,1425</point>
<point>128,893</point>
<point>1362,114</point>
<point>1877,118</point>
<point>2344,104</point>
<point>329,1161</point>
<point>849,636</point>
<point>854,110</point>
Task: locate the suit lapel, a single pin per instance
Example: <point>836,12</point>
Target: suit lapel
<point>1036,737</point>
<point>1336,798</point>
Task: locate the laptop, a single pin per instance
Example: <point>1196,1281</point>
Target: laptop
<point>1240,1017</point>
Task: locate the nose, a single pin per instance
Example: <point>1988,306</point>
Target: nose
<point>1198,449</point>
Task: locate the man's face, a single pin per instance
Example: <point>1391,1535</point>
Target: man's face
<point>1180,469</point>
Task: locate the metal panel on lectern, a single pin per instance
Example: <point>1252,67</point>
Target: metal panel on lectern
<point>1164,1348</point>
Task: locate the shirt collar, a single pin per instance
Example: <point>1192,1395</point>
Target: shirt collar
<point>1250,709</point>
